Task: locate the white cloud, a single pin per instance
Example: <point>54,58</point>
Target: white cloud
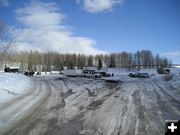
<point>4,3</point>
<point>95,6</point>
<point>172,54</point>
<point>44,31</point>
<point>39,14</point>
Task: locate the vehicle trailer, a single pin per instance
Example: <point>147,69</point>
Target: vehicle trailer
<point>73,72</point>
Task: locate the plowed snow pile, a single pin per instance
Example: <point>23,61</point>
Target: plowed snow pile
<point>12,85</point>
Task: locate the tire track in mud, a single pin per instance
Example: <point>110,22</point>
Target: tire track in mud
<point>56,126</point>
<point>134,113</point>
<point>63,94</point>
<point>133,119</point>
<point>140,123</point>
<point>124,111</point>
<point>153,108</point>
<point>167,94</point>
<point>21,126</point>
<point>165,100</point>
<point>96,104</point>
<point>141,114</point>
<point>158,105</point>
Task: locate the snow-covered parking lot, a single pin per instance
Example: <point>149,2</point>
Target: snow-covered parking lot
<point>54,105</point>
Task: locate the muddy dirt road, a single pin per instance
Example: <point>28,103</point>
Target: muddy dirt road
<point>73,106</point>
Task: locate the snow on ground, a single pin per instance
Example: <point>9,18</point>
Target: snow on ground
<point>12,85</point>
<point>88,106</point>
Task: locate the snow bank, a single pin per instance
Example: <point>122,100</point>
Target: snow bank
<point>175,82</point>
<point>13,85</point>
<point>175,71</point>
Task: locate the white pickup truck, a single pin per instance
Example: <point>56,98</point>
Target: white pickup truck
<point>91,74</point>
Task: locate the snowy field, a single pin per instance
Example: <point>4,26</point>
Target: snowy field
<point>57,105</point>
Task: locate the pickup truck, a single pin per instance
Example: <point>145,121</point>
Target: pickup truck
<point>91,74</point>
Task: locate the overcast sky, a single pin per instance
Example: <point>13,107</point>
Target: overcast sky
<point>94,26</point>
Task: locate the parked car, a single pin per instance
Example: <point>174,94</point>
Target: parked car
<point>38,73</point>
<point>132,75</point>
<point>143,75</point>
<point>146,75</point>
<point>167,71</point>
<point>29,73</point>
<point>163,71</point>
<point>104,74</point>
<point>139,75</point>
<point>61,72</point>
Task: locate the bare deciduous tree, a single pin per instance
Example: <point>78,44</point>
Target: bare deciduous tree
<point>55,61</point>
<point>6,43</point>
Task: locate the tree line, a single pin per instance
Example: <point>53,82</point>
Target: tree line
<point>56,61</point>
